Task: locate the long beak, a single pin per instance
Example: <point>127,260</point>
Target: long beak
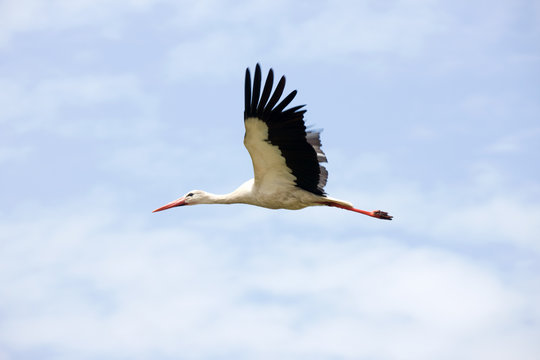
<point>179,202</point>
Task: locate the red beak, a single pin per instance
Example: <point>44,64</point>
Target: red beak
<point>179,202</point>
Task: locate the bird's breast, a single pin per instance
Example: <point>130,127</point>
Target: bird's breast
<point>292,199</point>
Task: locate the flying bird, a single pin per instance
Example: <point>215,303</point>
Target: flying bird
<point>286,156</point>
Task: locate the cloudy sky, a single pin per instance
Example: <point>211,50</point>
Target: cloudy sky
<point>109,109</point>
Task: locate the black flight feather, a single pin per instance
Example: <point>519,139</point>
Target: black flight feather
<point>277,94</point>
<point>247,90</point>
<point>285,102</point>
<point>266,92</point>
<point>256,88</point>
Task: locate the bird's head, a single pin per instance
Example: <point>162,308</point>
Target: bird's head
<point>191,198</point>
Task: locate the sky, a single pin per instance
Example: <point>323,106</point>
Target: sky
<point>110,109</point>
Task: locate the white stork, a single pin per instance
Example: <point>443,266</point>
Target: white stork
<point>286,157</point>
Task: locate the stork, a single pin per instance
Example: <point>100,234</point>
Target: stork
<point>286,156</point>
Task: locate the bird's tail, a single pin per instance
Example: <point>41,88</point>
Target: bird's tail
<point>328,201</point>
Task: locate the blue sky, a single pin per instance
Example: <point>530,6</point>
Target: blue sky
<point>109,109</point>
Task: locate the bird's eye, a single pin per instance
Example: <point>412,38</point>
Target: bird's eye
<point>190,194</point>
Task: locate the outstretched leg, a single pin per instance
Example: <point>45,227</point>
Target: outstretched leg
<point>376,213</point>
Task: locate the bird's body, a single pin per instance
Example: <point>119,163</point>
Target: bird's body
<point>286,157</point>
<point>249,193</point>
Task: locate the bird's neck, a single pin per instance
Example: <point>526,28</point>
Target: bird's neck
<point>243,194</point>
<point>221,198</point>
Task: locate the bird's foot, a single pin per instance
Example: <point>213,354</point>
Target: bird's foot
<point>381,215</point>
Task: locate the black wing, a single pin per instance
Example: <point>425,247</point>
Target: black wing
<point>301,148</point>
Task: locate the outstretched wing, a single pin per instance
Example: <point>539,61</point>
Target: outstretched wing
<point>283,152</point>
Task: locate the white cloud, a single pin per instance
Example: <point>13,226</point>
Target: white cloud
<point>500,219</point>
<point>165,163</point>
<point>109,286</point>
<point>516,142</point>
<point>365,35</point>
<point>339,32</point>
<point>197,57</point>
<point>281,31</point>
<point>24,16</point>
<point>402,29</point>
<point>13,153</point>
<point>48,105</point>
<point>483,207</point>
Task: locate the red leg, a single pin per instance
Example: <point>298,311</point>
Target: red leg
<point>376,213</point>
